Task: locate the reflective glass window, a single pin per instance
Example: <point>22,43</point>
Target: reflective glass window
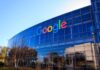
<point>69,21</point>
<point>98,4</point>
<point>81,28</point>
<point>75,29</point>
<point>68,30</point>
<point>67,37</point>
<point>76,13</point>
<point>89,27</point>
<point>77,20</point>
<point>86,17</point>
<point>68,16</point>
<point>85,10</point>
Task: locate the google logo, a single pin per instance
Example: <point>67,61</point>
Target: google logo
<point>51,28</point>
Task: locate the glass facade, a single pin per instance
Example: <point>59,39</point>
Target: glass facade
<point>96,18</point>
<point>63,33</point>
<point>78,30</point>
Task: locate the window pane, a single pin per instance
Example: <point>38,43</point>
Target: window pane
<point>86,17</point>
<point>76,20</point>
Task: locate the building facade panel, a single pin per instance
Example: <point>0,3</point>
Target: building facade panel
<point>73,33</point>
<point>60,30</point>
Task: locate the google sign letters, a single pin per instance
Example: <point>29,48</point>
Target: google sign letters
<point>51,28</point>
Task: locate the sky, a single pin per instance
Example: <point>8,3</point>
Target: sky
<point>18,15</point>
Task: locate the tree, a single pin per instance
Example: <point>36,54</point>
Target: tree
<point>79,60</point>
<point>22,56</point>
<point>54,57</point>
